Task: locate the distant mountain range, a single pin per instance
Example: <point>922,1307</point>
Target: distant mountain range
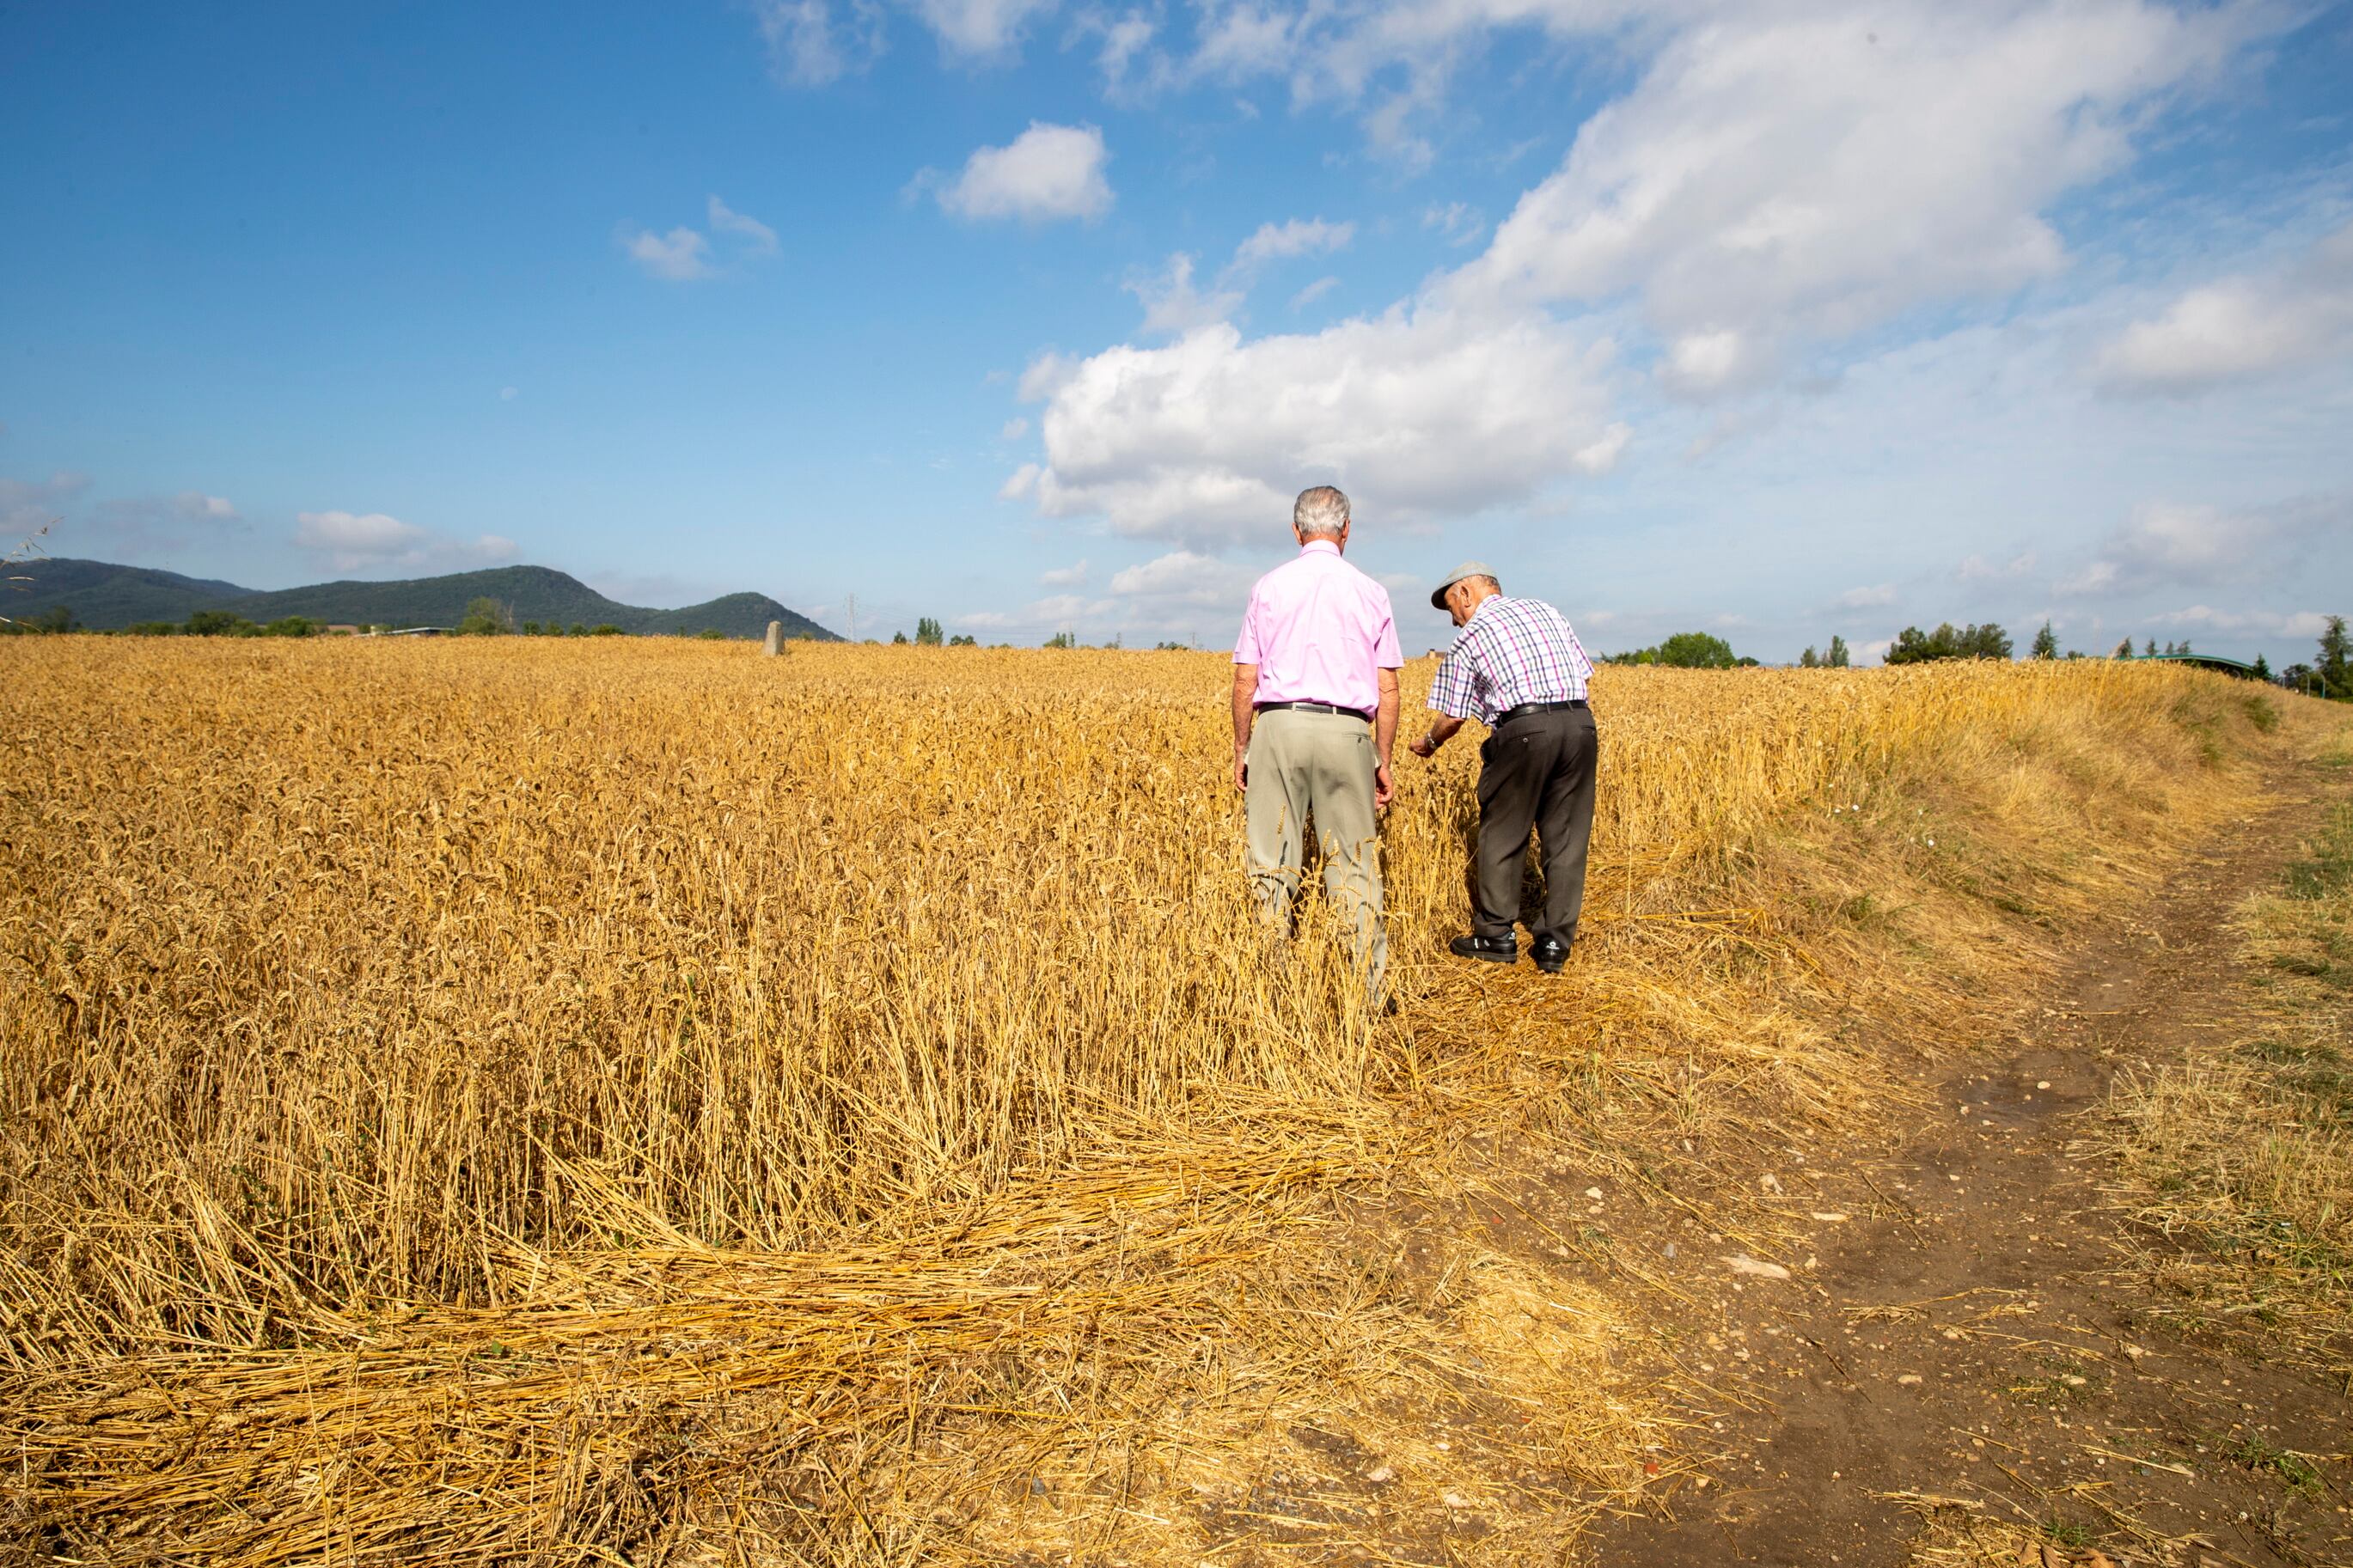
<point>106,597</point>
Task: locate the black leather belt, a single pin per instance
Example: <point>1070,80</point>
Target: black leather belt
<point>1524,708</point>
<point>1311,707</point>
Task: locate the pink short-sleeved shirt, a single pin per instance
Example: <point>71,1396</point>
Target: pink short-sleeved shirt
<point>1319,631</point>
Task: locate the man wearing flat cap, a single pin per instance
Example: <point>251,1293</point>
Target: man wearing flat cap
<point>1517,668</point>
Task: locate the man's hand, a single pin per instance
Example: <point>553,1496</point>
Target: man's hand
<point>1426,747</point>
<point>1241,769</point>
<point>1384,787</point>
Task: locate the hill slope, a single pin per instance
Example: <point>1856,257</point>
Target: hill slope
<point>103,595</point>
<point>106,597</point>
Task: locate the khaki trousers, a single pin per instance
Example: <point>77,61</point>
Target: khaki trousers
<point>1317,765</point>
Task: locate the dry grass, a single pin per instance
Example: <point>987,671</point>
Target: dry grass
<point>2240,1157</point>
<point>535,1100</point>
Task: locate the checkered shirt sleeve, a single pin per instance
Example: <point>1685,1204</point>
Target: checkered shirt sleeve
<point>1514,651</point>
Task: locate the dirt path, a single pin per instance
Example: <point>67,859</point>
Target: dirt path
<point>1959,1337</point>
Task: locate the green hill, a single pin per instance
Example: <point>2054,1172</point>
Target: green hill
<point>103,594</point>
<point>106,597</point>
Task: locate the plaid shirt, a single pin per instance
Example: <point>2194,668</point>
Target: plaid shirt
<point>1512,651</point>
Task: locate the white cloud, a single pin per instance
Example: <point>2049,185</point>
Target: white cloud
<point>979,31</point>
<point>27,505</point>
<point>1977,569</point>
<point>372,540</point>
<point>1867,598</point>
<point>1071,576</point>
<point>1123,40</point>
<point>759,240</point>
<point>1778,176</point>
<point>2198,546</point>
<point>1022,482</point>
<point>1421,413</point>
<point>1047,172</point>
<point>1184,577</point>
<point>1312,293</point>
<point>809,44</point>
<point>2292,624</point>
<point>685,255</point>
<point>1299,236</point>
<point>681,256</point>
<point>507,393</point>
<point>1458,223</point>
<point>1014,429</point>
<point>2240,328</point>
<point>1172,306</point>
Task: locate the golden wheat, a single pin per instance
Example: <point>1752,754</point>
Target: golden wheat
<point>359,984</point>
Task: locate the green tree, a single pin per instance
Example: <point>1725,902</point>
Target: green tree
<point>1809,659</point>
<point>578,630</point>
<point>711,634</point>
<point>214,624</point>
<point>604,630</point>
<point>1913,646</point>
<point>927,633</point>
<point>2046,643</point>
<point>1696,650</point>
<point>1061,640</point>
<point>1838,658</point>
<point>485,617</point>
<point>2263,668</point>
<point>963,639</point>
<point>291,627</point>
<point>898,639</point>
<point>531,629</point>
<point>2335,661</point>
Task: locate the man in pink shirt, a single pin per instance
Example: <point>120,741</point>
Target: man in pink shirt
<point>1316,713</point>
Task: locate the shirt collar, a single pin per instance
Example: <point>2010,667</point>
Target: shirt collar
<point>1323,545</point>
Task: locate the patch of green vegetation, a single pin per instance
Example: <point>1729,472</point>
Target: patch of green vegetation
<point>2066,1533</point>
<point>2261,711</point>
<point>2300,1474</point>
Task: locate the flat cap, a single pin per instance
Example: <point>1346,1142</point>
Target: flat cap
<point>1468,569</point>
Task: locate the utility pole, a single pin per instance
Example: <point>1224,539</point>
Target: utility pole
<point>853,617</point>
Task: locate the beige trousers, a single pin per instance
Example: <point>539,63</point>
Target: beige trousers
<point>1317,765</point>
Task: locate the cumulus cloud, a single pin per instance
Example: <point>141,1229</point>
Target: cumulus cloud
<point>1299,237</point>
<point>1172,305</point>
<point>1977,569</point>
<point>1420,412</point>
<point>681,256</point>
<point>811,43</point>
<point>357,542</point>
<point>2170,543</point>
<point>1184,577</point>
<point>685,255</point>
<point>1778,175</point>
<point>1071,576</point>
<point>979,31</point>
<point>1013,429</point>
<point>2240,328</point>
<point>1047,172</point>
<point>758,238</point>
<point>1867,598</point>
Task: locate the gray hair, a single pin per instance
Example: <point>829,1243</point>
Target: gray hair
<point>1319,513</point>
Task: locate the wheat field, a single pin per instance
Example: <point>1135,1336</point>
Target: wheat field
<point>636,1101</point>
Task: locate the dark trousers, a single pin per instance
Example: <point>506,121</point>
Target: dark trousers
<point>1535,773</point>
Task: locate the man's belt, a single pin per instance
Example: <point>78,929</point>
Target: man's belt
<point>1524,708</point>
<point>1311,707</point>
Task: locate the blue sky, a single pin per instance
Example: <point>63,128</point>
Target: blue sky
<point>1776,319</point>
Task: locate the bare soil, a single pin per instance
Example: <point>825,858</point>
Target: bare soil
<point>1963,1340</point>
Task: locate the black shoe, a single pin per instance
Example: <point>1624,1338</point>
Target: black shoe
<point>1493,949</point>
<point>1550,952</point>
